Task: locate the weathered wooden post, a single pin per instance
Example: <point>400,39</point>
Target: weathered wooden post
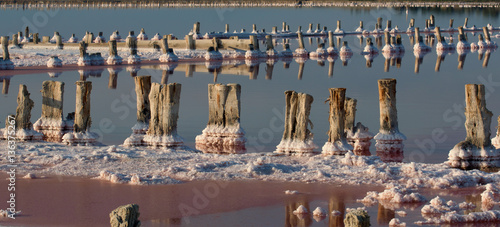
<point>301,51</point>
<point>127,215</point>
<point>296,137</point>
<point>389,144</point>
<point>27,33</point>
<point>226,29</point>
<point>388,27</point>
<point>23,126</point>
<point>357,217</point>
<point>190,42</point>
<point>84,59</point>
<point>337,143</point>
<point>6,63</point>
<point>15,40</point>
<point>465,22</point>
<point>476,150</point>
<point>487,35</point>
<point>113,58</point>
<point>167,53</point>
<point>432,22</point>
<point>82,120</point>
<point>270,51</point>
<point>51,124</point>
<point>142,90</point>
<point>164,106</point>
<point>59,43</point>
<point>196,28</point>
<point>255,42</point>
<point>451,25</point>
<point>35,38</point>
<point>223,133</point>
<point>331,44</point>
<point>131,42</point>
<point>357,135</point>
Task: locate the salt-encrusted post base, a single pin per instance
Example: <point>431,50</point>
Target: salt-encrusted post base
<point>476,150</point>
<point>296,137</point>
<point>82,120</point>
<point>389,143</point>
<point>337,143</point>
<point>51,124</point>
<point>360,138</point>
<point>142,90</point>
<point>223,133</point>
<point>164,106</point>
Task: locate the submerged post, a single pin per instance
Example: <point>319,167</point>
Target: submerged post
<point>51,124</point>
<point>296,137</point>
<point>337,143</point>
<point>142,90</point>
<point>223,133</point>
<point>476,150</point>
<point>389,140</point>
<point>164,103</point>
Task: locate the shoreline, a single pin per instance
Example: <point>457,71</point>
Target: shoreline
<point>41,5</point>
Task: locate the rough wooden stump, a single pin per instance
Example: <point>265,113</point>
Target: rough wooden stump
<point>389,144</point>
<point>337,143</point>
<point>296,137</point>
<point>223,133</point>
<point>142,90</point>
<point>476,150</point>
<point>82,119</point>
<point>24,127</point>
<point>164,103</point>
<point>51,124</point>
<point>125,216</point>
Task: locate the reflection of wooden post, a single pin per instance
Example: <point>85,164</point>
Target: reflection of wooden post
<point>5,86</point>
<point>384,216</point>
<point>461,60</point>
<point>164,77</point>
<point>337,143</point>
<point>389,140</point>
<point>486,58</point>
<point>330,68</point>
<point>476,150</point>
<point>301,70</point>
<point>82,110</point>
<point>269,71</point>
<point>113,80</point>
<point>417,64</point>
<point>440,58</point>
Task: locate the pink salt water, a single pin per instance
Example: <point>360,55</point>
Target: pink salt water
<point>70,201</point>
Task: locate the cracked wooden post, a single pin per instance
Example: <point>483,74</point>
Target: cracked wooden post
<point>296,136</point>
<point>389,143</point>
<point>127,215</point>
<point>190,43</point>
<point>142,90</point>
<point>51,124</point>
<point>223,133</point>
<point>82,120</point>
<point>337,143</point>
<point>476,150</point>
<point>24,127</point>
<point>164,103</point>
<point>113,58</point>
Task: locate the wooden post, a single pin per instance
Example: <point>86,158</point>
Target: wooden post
<point>35,38</point>
<point>486,34</point>
<point>142,89</point>
<point>59,43</point>
<point>298,107</point>
<point>51,124</point>
<point>432,22</point>
<point>379,23</point>
<point>284,27</point>
<point>113,51</point>
<point>337,143</point>
<point>476,150</point>
<point>164,106</point>
<point>301,40</point>
<point>350,113</point>
<point>339,25</point>
<point>389,140</point>
<point>196,28</point>
<point>5,47</point>
<point>23,111</point>
<point>226,29</point>
<point>254,28</point>
<point>451,23</point>
<point>465,22</point>
<point>82,110</point>
<point>389,25</point>
<point>412,22</point>
<point>190,43</point>
<point>331,42</point>
<point>254,42</point>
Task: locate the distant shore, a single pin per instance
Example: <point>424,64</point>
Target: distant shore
<point>11,4</point>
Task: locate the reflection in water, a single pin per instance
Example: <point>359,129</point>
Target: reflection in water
<point>54,74</point>
<point>133,69</point>
<point>462,53</point>
<point>5,84</point>
<point>384,216</point>
<point>300,219</point>
<point>113,77</point>
<point>336,204</point>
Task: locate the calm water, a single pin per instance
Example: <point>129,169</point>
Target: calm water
<point>204,203</point>
<point>429,102</point>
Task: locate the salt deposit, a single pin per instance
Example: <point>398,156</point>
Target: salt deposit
<point>320,212</point>
<point>301,210</point>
